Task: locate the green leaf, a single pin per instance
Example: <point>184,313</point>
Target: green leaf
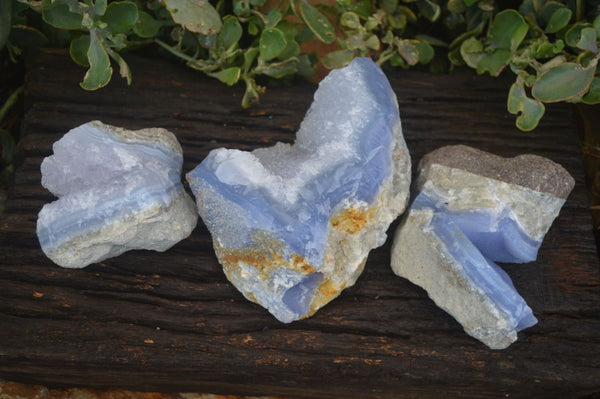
<point>292,49</point>
<point>78,50</point>
<point>230,34</point>
<point>197,16</point>
<point>508,30</point>
<point>389,6</point>
<point>593,94</point>
<point>337,59</point>
<point>5,21</point>
<point>588,40</point>
<point>229,76</point>
<point>530,110</point>
<point>146,26</point>
<point>271,43</point>
<point>563,82</point>
<point>429,9</point>
<point>596,25</point>
<point>494,62</point>
<point>471,51</point>
<point>273,18</point>
<point>100,70</point>
<point>426,52</point>
<point>350,20</point>
<point>124,70</point>
<point>27,36</point>
<point>120,17</point>
<point>559,19</point>
<point>573,35</point>
<point>249,57</point>
<point>99,7</point>
<point>60,15</point>
<point>317,22</point>
<point>408,51</point>
<point>280,69</point>
<point>306,65</point>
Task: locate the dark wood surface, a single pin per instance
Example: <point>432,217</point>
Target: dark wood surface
<point>172,322</point>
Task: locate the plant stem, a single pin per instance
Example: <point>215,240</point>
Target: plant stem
<point>12,99</point>
<point>173,51</point>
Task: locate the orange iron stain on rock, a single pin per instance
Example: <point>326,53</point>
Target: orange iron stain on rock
<point>351,220</point>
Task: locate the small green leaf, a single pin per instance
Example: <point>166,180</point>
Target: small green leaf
<point>280,69</point>
<point>99,7</point>
<point>588,40</point>
<point>5,21</point>
<point>593,94</point>
<point>426,52</point>
<point>273,18</point>
<point>124,70</point>
<point>596,25</point>
<point>429,9</point>
<point>249,57</point>
<point>60,16</point>
<point>456,6</point>
<point>531,111</point>
<point>292,49</point>
<point>271,43</point>
<point>306,65</point>
<point>230,34</point>
<point>559,19</point>
<point>317,22</point>
<point>508,30</point>
<point>573,34</point>
<point>229,76</point>
<point>146,26</point>
<point>120,17</point>
<point>494,62</point>
<point>471,51</point>
<point>389,6</point>
<point>78,50</point>
<point>408,51</point>
<point>563,82</point>
<point>350,20</point>
<point>197,16</point>
<point>337,59</point>
<point>100,70</point>
<point>373,43</point>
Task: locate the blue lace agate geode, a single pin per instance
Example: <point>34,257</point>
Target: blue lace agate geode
<point>292,225</point>
<point>118,190</point>
<point>474,209</point>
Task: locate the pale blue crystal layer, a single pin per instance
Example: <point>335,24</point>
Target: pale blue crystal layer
<point>118,190</point>
<point>342,158</point>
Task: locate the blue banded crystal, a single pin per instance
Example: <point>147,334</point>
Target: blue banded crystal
<point>292,225</point>
<point>474,209</point>
<point>118,190</point>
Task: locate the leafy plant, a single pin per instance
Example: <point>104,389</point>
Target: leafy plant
<point>550,46</point>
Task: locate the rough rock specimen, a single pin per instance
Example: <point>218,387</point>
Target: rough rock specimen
<point>118,190</point>
<point>474,208</point>
<point>292,225</point>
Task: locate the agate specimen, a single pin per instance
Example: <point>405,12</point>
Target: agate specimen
<point>118,190</point>
<point>474,209</point>
<point>292,225</point>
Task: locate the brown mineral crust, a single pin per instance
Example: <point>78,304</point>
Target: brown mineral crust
<point>531,171</point>
<point>351,220</point>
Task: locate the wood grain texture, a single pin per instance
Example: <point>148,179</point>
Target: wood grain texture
<point>172,322</point>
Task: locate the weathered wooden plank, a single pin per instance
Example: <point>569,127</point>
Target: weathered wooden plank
<point>171,321</point>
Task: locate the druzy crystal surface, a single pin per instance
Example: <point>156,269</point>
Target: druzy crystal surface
<point>118,190</point>
<point>292,225</point>
<point>474,209</point>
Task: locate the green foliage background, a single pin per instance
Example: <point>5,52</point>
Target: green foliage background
<point>551,47</point>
